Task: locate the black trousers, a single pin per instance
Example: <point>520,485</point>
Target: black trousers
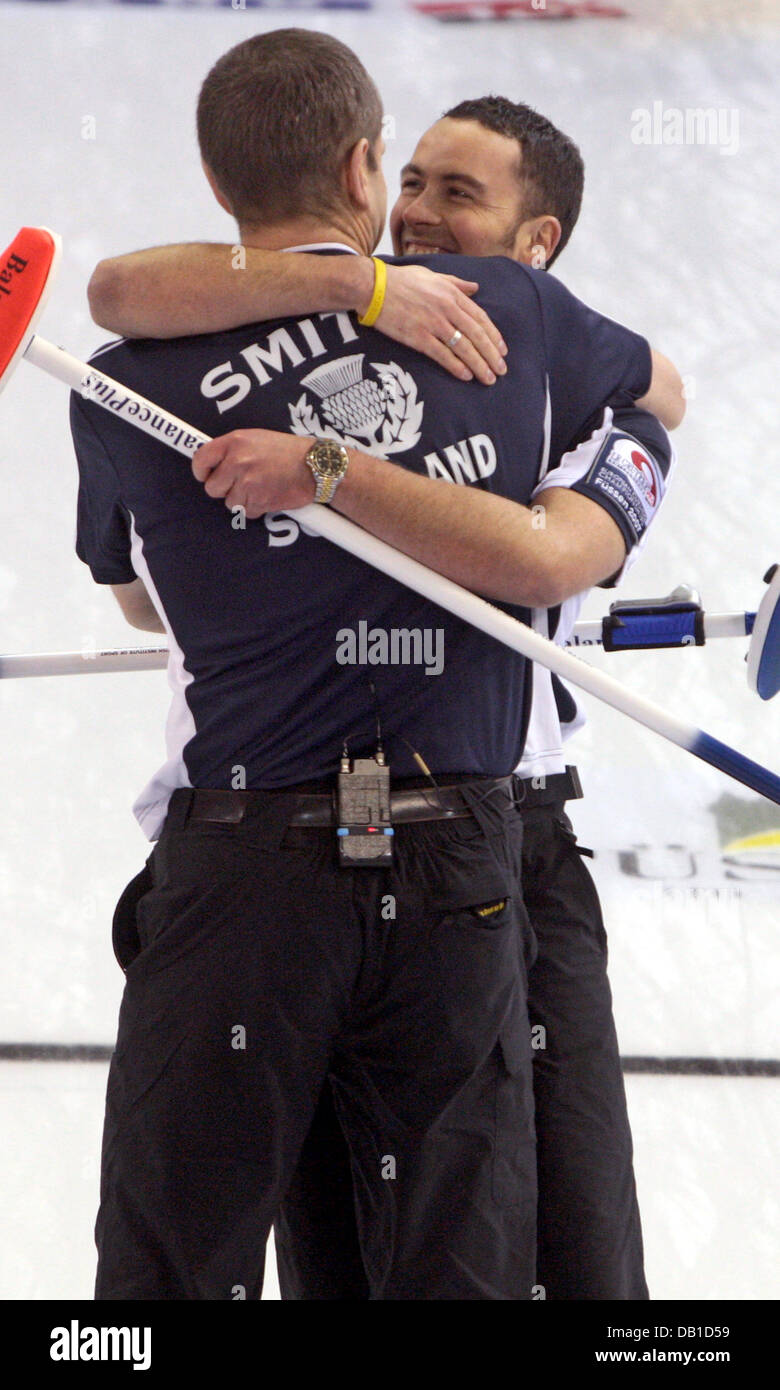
<point>255,968</point>
<point>589,1236</point>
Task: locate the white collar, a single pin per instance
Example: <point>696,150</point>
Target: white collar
<point>324,246</point>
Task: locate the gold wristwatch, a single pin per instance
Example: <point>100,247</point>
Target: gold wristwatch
<point>328,462</point>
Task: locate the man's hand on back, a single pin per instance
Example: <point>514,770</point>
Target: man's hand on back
<point>424,309</point>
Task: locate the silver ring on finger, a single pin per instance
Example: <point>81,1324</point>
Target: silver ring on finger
<point>455,339</point>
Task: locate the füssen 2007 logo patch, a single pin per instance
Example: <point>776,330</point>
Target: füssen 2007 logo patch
<point>625,471</point>
<point>378,413</point>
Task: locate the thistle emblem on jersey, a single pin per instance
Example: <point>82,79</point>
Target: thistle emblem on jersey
<point>378,414</point>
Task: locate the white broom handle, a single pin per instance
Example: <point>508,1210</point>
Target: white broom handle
<point>108,659</point>
<point>138,411</point>
<point>83,663</point>
<point>120,400</point>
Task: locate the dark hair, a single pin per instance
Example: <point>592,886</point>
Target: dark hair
<point>277,115</point>
<point>551,170</point>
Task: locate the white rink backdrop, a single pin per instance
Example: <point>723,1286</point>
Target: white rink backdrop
<point>676,240</point>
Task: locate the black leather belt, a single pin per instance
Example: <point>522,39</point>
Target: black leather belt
<point>425,803</point>
<point>444,802</point>
<point>545,791</point>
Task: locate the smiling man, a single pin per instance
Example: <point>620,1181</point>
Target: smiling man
<point>491,173</point>
<point>490,179</point>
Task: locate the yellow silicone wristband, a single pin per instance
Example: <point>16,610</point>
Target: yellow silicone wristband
<point>378,297</point>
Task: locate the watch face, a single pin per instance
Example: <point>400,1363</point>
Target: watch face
<point>329,458</point>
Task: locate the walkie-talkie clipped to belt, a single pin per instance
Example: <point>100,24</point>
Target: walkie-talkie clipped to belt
<point>365,833</point>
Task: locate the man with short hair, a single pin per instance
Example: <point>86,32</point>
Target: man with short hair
<point>459,193</point>
<point>245,912</point>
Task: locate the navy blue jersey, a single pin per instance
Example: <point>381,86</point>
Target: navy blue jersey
<point>266,683</point>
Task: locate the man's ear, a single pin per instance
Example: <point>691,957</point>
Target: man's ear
<point>215,188</point>
<point>354,174</point>
<point>536,240</point>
